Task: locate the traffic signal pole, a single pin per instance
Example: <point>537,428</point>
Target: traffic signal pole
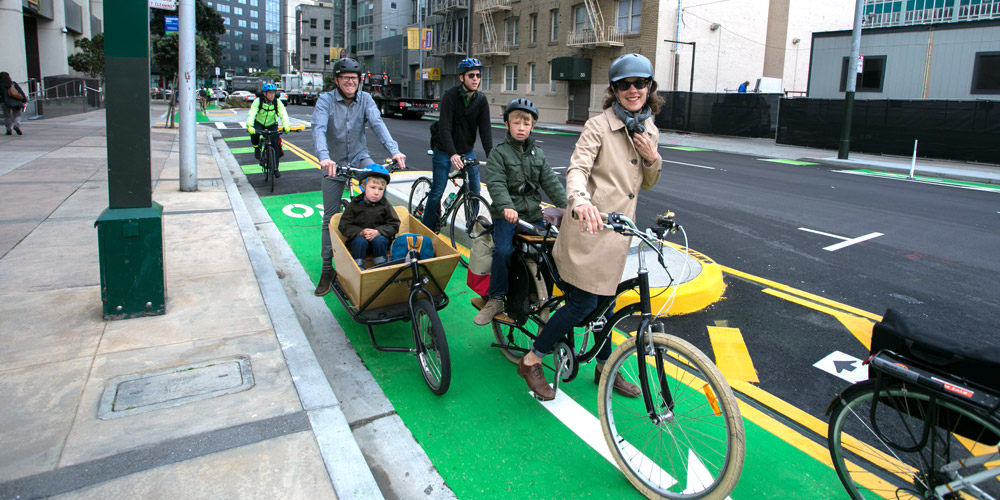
<point>851,84</point>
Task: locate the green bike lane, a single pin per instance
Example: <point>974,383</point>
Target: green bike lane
<point>489,438</point>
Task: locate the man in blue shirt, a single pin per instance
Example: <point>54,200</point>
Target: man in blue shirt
<point>338,128</point>
<point>743,87</point>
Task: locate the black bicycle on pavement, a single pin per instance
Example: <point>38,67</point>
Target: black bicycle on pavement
<point>269,155</point>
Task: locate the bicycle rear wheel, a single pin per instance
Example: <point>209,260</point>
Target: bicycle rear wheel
<point>419,193</point>
<point>432,347</point>
<point>461,229</point>
<point>879,455</point>
<point>694,446</point>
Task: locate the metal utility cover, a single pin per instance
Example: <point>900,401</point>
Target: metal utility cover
<point>142,392</point>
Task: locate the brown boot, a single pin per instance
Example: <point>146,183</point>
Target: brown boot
<point>622,387</point>
<point>323,287</point>
<point>485,315</point>
<point>532,374</point>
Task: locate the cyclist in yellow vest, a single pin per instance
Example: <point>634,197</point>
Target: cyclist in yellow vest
<point>264,114</point>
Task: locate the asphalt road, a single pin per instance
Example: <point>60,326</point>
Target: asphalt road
<point>935,259</point>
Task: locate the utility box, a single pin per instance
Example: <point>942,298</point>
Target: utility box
<point>130,241</point>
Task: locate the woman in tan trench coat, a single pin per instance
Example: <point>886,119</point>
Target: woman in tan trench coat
<point>615,156</point>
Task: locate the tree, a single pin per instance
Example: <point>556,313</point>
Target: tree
<point>271,73</point>
<point>207,24</point>
<point>90,59</point>
<point>165,55</point>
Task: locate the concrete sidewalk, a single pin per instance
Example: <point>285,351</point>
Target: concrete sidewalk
<point>275,430</point>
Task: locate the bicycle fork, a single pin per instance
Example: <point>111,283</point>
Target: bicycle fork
<point>661,410</point>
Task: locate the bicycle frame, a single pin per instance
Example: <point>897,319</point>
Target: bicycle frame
<point>462,190</point>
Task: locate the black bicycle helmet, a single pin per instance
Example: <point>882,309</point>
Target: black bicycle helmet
<point>469,64</point>
<point>346,65</point>
<point>630,66</point>
<point>523,105</point>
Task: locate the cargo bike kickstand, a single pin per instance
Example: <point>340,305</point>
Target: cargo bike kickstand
<point>408,289</point>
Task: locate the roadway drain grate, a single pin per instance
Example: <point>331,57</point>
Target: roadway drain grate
<point>143,392</point>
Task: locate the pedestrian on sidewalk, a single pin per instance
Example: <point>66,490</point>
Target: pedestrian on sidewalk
<point>14,101</point>
<point>338,127</point>
<point>743,87</point>
<point>615,156</point>
<point>463,111</point>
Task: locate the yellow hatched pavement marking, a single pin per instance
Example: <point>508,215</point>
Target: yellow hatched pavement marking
<point>731,355</point>
<point>861,328</point>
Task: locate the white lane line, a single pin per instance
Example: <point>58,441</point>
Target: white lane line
<point>220,125</point>
<point>822,233</point>
<point>932,182</point>
<point>859,239</point>
<point>688,164</point>
<point>846,241</point>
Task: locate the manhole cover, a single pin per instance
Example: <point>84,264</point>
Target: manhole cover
<point>142,392</point>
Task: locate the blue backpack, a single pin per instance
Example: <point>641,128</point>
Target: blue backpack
<point>404,242</point>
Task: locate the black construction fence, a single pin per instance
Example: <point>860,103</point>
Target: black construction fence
<point>957,130</point>
<point>745,115</point>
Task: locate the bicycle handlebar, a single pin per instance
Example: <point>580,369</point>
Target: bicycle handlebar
<point>351,171</point>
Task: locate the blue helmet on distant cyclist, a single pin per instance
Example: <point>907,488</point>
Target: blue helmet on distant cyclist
<point>268,86</point>
<point>374,170</point>
<point>469,64</point>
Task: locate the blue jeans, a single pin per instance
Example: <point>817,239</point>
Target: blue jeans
<point>503,249</point>
<point>441,166</point>
<point>579,304</point>
<point>379,247</point>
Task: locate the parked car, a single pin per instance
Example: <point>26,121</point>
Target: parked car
<point>283,96</point>
<point>219,94</point>
<point>243,94</point>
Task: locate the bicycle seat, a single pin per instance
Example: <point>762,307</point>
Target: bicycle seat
<point>553,215</point>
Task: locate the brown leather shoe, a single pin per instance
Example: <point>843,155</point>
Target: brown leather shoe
<point>532,374</point>
<point>323,287</point>
<point>622,387</point>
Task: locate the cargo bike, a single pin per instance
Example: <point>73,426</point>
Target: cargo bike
<point>409,289</point>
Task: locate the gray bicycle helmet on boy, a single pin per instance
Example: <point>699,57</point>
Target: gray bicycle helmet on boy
<point>523,105</point>
<point>469,64</point>
<point>346,65</point>
<point>630,66</point>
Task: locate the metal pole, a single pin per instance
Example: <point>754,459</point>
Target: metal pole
<point>691,85</point>
<point>913,162</point>
<point>677,47</point>
<point>851,83</point>
<point>420,52</point>
<point>186,71</point>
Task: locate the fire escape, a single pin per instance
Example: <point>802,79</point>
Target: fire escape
<point>491,44</point>
<point>596,34</point>
<point>451,41</point>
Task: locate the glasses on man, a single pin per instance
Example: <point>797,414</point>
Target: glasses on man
<point>623,85</point>
<point>474,75</point>
<point>349,78</point>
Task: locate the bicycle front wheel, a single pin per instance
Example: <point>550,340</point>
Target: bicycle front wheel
<point>462,228</point>
<point>432,347</point>
<point>693,446</point>
<point>881,454</point>
<point>272,164</point>
<point>419,193</point>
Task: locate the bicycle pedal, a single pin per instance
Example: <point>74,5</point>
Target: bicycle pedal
<point>478,302</point>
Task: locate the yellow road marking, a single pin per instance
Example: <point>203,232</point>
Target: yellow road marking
<point>815,298</point>
<point>731,355</point>
<point>861,328</point>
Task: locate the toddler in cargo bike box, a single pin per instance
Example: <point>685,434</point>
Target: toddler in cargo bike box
<point>369,222</point>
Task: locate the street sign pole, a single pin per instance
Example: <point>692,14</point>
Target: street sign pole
<point>188,75</point>
<point>130,230</point>
<point>851,84</point>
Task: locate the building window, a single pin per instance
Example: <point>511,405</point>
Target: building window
<point>254,13</point>
<point>254,25</point>
<point>254,47</point>
<point>552,81</point>
<point>253,3</point>
<point>871,78</point>
<point>581,21</point>
<point>531,77</point>
<point>242,58</point>
<point>326,41</point>
<point>237,34</point>
<point>253,36</point>
<point>534,28</point>
<point>326,24</point>
<point>238,46</point>
<point>554,23</point>
<point>222,8</point>
<point>238,11</point>
<point>510,78</point>
<point>225,21</point>
<point>487,81</point>
<point>986,73</point>
<point>511,31</point>
<point>242,23</point>
<point>312,23</point>
<point>312,41</point>
<point>629,15</point>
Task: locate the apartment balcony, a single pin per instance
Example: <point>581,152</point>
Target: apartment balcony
<point>608,37</point>
<point>886,17</point>
<point>488,6</point>
<point>442,7</point>
<point>491,49</point>
<point>451,48</point>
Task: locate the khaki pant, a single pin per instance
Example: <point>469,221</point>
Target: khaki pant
<point>11,117</point>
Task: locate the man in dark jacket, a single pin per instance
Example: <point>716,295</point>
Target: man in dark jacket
<point>463,110</point>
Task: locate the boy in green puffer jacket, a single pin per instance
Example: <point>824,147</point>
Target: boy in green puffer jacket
<point>515,171</point>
